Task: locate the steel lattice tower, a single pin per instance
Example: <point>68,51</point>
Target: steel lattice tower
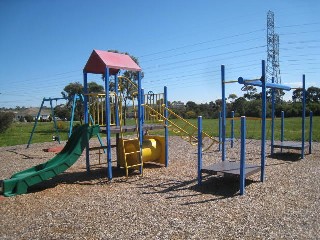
<point>273,64</point>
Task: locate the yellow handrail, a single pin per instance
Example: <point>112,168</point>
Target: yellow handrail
<point>184,134</point>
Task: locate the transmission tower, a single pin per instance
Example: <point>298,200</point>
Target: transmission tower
<point>273,64</point>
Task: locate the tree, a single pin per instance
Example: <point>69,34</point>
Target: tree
<point>297,95</point>
<point>239,106</point>
<point>6,119</point>
<point>232,97</point>
<point>313,94</point>
<point>93,87</point>
<point>62,111</point>
<point>77,88</point>
<point>69,91</point>
<point>251,92</point>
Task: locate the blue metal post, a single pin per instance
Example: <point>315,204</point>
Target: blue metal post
<point>108,119</point>
<point>243,156</point>
<point>54,120</point>
<point>143,108</point>
<point>232,128</point>
<point>282,128</point>
<point>199,150</point>
<point>303,114</point>
<point>35,122</point>
<point>272,117</point>
<point>166,129</point>
<point>223,122</point>
<point>263,127</point>
<point>310,133</point>
<point>74,101</point>
<point>86,115</point>
<point>116,90</point>
<point>220,132</point>
<point>140,120</point>
<point>117,114</point>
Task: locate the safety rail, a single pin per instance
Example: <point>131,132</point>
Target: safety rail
<point>96,103</point>
<point>187,132</point>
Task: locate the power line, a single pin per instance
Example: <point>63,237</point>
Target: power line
<point>200,43</point>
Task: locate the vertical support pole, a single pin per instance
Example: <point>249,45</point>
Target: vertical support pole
<point>223,122</point>
<point>86,115</point>
<point>243,156</point>
<point>116,90</point>
<point>232,128</point>
<point>54,120</point>
<point>140,120</point>
<point>282,128</point>
<point>272,117</point>
<point>166,129</point>
<point>263,127</point>
<point>220,132</point>
<point>117,114</point>
<point>35,122</point>
<point>303,114</point>
<point>310,133</point>
<point>142,103</point>
<point>199,150</point>
<point>74,101</point>
<point>108,118</point>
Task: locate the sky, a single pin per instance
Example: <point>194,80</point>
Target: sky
<point>181,44</point>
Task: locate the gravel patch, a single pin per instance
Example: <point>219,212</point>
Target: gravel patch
<point>164,203</point>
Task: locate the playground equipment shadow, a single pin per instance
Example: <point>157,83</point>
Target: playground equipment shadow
<point>96,176</point>
<point>223,187</point>
<point>286,156</point>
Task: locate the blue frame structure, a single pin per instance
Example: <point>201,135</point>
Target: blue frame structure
<point>264,85</point>
<point>53,117</point>
<point>225,167</point>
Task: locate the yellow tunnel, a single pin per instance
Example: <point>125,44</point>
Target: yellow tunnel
<point>153,150</point>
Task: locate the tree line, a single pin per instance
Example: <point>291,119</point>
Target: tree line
<point>250,105</point>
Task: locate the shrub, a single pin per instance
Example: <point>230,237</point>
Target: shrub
<point>28,118</point>
<point>6,118</point>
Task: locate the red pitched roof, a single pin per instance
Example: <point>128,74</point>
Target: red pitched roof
<point>100,60</point>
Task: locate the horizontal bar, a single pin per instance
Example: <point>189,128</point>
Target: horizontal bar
<point>259,84</point>
<point>231,81</point>
<point>54,99</point>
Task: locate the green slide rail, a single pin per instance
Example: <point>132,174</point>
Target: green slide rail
<point>19,182</point>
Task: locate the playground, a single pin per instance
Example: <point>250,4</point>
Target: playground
<point>164,203</point>
<point>112,180</point>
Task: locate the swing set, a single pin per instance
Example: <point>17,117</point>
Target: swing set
<point>55,137</point>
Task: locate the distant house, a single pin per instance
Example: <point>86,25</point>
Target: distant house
<point>32,111</point>
<point>177,105</point>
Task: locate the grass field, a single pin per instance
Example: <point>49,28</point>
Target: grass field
<point>19,133</point>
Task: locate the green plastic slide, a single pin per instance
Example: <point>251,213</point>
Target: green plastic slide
<point>19,182</point>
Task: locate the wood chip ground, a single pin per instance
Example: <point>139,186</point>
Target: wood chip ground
<point>164,203</point>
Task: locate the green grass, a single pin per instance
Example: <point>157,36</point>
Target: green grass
<point>19,133</point>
